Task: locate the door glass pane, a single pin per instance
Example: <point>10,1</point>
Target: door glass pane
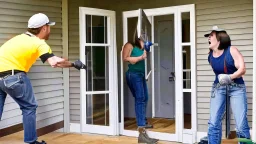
<point>97,61</point>
<point>185,26</point>
<point>97,109</point>
<point>132,28</point>
<point>186,67</point>
<point>96,29</point>
<point>187,109</point>
<point>88,28</point>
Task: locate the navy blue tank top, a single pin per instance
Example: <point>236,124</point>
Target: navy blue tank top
<point>224,64</point>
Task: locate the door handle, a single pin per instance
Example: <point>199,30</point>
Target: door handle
<point>173,74</point>
<point>172,77</point>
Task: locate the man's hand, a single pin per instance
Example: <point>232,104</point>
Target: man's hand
<point>64,63</point>
<point>224,79</point>
<point>78,65</point>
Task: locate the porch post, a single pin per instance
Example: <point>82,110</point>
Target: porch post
<point>65,70</point>
<point>254,75</point>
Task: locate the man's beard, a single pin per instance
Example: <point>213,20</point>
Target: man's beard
<point>47,37</point>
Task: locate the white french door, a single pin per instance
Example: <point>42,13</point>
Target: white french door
<point>181,87</point>
<point>99,81</point>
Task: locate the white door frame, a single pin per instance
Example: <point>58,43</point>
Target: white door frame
<point>113,91</point>
<point>181,134</point>
<point>254,75</point>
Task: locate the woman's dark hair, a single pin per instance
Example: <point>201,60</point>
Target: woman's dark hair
<point>224,40</point>
<point>136,43</point>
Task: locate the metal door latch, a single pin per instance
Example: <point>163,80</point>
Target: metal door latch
<point>172,77</point>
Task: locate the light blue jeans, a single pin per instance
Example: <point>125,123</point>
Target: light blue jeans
<point>18,86</point>
<point>238,103</point>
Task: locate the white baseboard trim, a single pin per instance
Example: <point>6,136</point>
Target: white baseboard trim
<point>203,134</point>
<point>75,128</point>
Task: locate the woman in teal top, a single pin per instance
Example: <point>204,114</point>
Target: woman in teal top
<point>135,54</point>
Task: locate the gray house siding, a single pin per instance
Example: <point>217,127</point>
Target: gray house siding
<point>47,82</point>
<point>74,74</point>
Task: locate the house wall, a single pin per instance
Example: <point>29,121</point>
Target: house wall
<point>74,74</point>
<point>234,15</point>
<point>47,82</point>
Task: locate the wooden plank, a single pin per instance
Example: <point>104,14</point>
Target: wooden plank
<point>48,3</point>
<point>49,121</point>
<point>225,21</point>
<point>233,8</point>
<point>75,118</point>
<point>227,27</point>
<point>36,76</point>
<point>74,85</point>
<point>16,12</point>
<point>47,88</point>
<point>44,82</point>
<point>75,112</point>
<point>215,4</point>
<point>57,137</point>
<point>50,101</point>
<point>74,101</point>
<point>29,7</point>
<point>226,15</point>
<point>75,107</point>
<point>11,114</point>
<point>74,73</point>
<point>21,30</point>
<point>50,107</point>
<point>75,95</point>
<point>46,68</point>
<point>75,90</point>
<point>50,94</point>
<point>50,114</point>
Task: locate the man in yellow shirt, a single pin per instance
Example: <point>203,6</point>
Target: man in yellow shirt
<point>17,56</point>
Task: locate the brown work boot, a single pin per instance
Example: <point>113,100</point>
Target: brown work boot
<point>144,138</point>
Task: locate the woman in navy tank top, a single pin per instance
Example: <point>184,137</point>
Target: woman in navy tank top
<point>228,65</point>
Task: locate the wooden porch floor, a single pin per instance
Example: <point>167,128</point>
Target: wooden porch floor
<point>71,138</point>
<point>160,124</point>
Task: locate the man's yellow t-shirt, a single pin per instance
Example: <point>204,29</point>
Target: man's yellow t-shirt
<point>21,52</point>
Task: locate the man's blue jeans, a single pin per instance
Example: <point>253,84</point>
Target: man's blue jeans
<point>18,86</point>
<point>137,84</point>
<point>238,103</point>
